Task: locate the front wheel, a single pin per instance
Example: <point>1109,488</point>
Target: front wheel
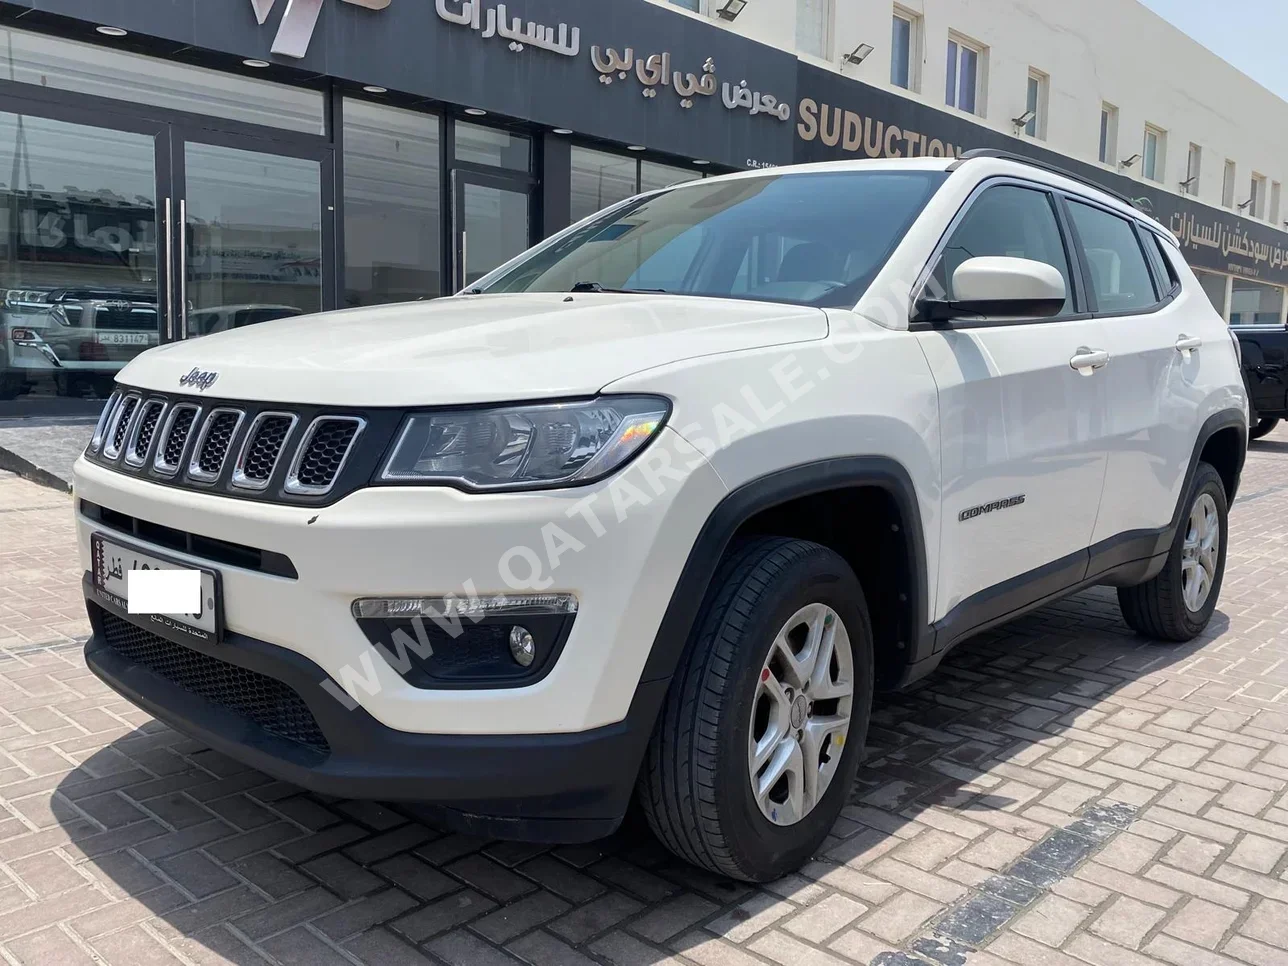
<point>1177,604</point>
<point>1262,427</point>
<point>761,732</point>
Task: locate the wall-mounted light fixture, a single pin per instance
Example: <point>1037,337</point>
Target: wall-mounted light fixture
<point>859,54</point>
<point>1128,162</point>
<point>1247,204</point>
<point>730,9</point>
<point>1187,182</point>
<point>1023,120</point>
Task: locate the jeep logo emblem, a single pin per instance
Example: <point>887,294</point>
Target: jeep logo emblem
<point>199,380</point>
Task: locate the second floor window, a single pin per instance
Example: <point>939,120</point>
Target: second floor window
<point>694,5</point>
<point>1035,104</point>
<point>1108,134</point>
<point>1152,155</point>
<point>965,70</point>
<point>1193,168</point>
<point>813,21</point>
<point>1227,185</point>
<point>904,51</point>
<point>1257,209</point>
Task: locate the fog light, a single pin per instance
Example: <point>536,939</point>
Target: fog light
<point>522,647</point>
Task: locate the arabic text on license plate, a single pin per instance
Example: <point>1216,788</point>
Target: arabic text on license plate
<point>123,338</point>
<point>115,562</point>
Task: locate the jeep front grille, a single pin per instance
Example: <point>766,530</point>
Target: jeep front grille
<point>302,454</point>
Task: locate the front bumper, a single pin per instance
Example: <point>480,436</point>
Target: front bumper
<point>621,560</point>
<point>534,787</point>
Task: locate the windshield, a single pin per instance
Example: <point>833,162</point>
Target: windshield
<point>811,239</point>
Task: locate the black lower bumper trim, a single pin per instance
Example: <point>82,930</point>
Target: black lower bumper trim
<point>550,788</point>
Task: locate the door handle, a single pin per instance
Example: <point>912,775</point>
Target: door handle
<point>182,312</point>
<point>169,270</point>
<point>1187,344</point>
<point>1088,360</point>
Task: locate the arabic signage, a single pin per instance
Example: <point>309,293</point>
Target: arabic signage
<point>841,118</point>
<point>627,71</point>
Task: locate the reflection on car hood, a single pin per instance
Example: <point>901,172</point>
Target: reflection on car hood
<point>470,349</point>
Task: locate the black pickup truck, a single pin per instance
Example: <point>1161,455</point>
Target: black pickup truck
<point>1265,370</point>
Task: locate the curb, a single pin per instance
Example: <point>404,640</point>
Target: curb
<point>11,461</point>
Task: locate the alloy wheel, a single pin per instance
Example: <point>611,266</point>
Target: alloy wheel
<point>801,714</point>
<point>1200,552</point>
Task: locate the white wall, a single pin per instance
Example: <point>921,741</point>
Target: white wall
<point>1094,51</point>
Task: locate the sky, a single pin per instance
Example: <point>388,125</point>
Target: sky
<point>1247,33</point>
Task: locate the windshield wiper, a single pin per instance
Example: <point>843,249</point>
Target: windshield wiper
<point>596,287</point>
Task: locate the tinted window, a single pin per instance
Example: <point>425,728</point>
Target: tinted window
<point>1157,249</point>
<point>813,239</point>
<point>1010,221</point>
<point>1119,275</point>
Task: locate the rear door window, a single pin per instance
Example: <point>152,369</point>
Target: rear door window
<point>1120,276</point>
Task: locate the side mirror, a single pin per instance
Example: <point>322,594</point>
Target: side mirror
<point>998,287</point>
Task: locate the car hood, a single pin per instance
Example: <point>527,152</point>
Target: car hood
<point>469,349</point>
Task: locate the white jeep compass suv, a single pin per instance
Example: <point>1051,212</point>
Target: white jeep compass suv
<point>653,508</point>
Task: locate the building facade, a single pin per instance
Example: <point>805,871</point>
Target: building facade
<point>171,170</point>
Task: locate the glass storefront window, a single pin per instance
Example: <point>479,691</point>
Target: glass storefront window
<point>654,175</point>
<point>600,179</point>
<point>254,249</point>
<point>78,260</point>
<point>72,66</point>
<point>392,205</point>
<point>1253,303</point>
<point>486,145</point>
<point>1214,288</point>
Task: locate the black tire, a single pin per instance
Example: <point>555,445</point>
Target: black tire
<point>1157,608</point>
<point>695,785</point>
<point>1262,427</point>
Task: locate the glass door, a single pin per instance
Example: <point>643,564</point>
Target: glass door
<point>255,229</point>
<point>81,205</point>
<point>491,221</point>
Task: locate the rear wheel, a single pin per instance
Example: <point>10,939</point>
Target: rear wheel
<point>1178,603</point>
<point>1262,427</point>
<point>762,730</point>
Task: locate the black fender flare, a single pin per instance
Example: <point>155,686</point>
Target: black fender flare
<point>766,492</point>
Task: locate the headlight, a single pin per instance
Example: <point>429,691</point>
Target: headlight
<point>520,447</point>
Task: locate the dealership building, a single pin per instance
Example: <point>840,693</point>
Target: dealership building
<point>170,170</point>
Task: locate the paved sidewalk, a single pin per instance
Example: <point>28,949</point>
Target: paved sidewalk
<point>44,449</point>
<point>1059,794</point>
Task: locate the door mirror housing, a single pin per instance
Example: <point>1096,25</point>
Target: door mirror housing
<point>997,287</point>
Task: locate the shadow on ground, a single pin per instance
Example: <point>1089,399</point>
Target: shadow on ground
<point>226,856</point>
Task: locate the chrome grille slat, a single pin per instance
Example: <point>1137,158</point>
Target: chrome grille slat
<point>265,442</point>
<point>144,431</point>
<point>214,443</point>
<point>322,454</point>
<point>120,425</point>
<point>174,437</point>
<point>104,419</point>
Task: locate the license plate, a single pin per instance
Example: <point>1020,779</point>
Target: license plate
<point>112,561</point>
<point>123,338</point>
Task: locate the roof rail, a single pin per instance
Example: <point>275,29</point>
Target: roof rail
<point>1045,166</point>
